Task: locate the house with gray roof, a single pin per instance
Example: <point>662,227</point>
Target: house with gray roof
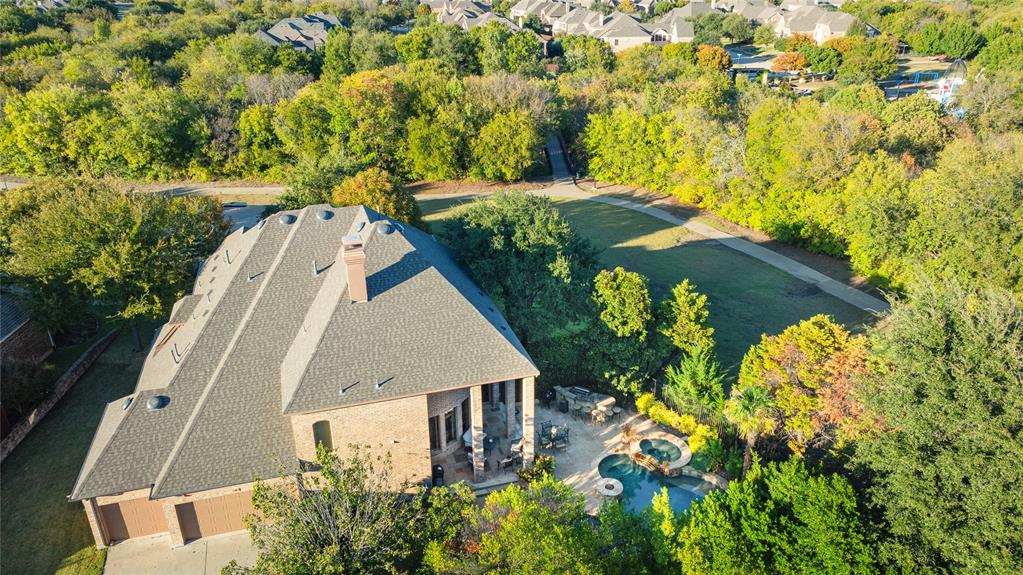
<point>673,26</point>
<point>624,31</point>
<point>814,21</point>
<point>22,339</point>
<point>332,327</point>
<point>307,33</point>
<point>468,15</point>
<point>547,11</point>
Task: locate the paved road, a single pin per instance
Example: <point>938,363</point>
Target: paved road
<point>565,187</point>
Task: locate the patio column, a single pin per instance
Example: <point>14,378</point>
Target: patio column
<point>528,404</point>
<point>509,407</point>
<point>476,409</point>
<point>458,423</point>
<point>495,394</point>
<point>170,513</point>
<point>92,514</point>
<point>442,424</point>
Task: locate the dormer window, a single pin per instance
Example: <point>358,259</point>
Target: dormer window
<point>321,435</point>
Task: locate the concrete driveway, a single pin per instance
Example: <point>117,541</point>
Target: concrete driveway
<point>154,555</point>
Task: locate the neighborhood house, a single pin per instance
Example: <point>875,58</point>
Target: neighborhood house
<point>305,33</point>
<point>324,326</point>
<point>622,31</point>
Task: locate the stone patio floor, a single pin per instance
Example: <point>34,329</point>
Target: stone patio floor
<point>576,465</point>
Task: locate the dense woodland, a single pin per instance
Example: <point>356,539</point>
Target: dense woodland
<point>892,450</point>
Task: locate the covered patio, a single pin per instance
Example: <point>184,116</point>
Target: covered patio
<point>482,441</point>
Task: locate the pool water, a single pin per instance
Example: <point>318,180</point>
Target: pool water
<point>641,485</point>
<point>660,449</point>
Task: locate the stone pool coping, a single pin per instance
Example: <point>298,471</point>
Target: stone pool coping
<point>674,466</point>
<point>647,429</point>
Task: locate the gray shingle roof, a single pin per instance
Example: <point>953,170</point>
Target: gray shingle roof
<point>254,308</point>
<point>307,32</point>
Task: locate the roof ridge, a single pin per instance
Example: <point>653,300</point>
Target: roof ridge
<point>201,402</point>
<point>287,402</point>
<point>88,465</point>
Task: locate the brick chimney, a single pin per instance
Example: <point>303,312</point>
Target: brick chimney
<point>354,257</point>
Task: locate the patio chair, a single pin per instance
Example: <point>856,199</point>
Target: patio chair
<point>510,461</point>
<point>577,410</point>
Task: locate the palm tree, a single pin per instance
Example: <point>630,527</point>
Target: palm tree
<point>750,409</point>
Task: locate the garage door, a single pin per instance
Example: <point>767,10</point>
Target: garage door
<point>207,517</point>
<point>133,518</point>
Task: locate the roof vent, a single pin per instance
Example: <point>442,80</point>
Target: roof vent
<point>126,403</point>
<point>287,219</point>
<point>385,229</point>
<point>324,215</point>
<point>359,226</point>
<point>157,402</point>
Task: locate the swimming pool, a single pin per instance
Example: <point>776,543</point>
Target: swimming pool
<point>641,485</point>
<point>660,449</point>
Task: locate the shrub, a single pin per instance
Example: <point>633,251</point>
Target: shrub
<point>542,466</point>
<point>699,434</point>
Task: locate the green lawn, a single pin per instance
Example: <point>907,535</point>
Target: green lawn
<point>747,297</point>
<point>40,532</point>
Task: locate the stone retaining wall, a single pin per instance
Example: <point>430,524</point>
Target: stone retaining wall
<point>61,388</point>
<point>712,478</point>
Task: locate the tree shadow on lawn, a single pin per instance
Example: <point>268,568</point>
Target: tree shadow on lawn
<point>747,297</point>
<point>39,528</point>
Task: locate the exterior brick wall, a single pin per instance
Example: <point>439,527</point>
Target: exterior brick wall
<point>441,403</point>
<point>29,343</point>
<point>399,427</point>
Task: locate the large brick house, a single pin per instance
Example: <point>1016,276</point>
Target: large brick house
<point>323,325</point>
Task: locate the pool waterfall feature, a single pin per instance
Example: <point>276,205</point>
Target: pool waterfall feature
<point>652,463</point>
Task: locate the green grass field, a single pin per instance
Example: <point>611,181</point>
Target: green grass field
<point>747,297</point>
<point>40,532</point>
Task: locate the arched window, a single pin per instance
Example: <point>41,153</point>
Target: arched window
<point>321,435</point>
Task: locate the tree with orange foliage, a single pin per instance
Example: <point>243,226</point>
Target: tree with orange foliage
<point>841,43</point>
<point>797,41</point>
<point>789,62</point>
<point>713,57</point>
<point>377,189</point>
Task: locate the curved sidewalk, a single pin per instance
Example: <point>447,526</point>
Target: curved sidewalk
<point>805,273</point>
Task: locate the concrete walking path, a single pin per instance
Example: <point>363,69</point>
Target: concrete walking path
<point>565,187</point>
<point>809,275</point>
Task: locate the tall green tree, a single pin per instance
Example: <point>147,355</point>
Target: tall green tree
<point>945,471</point>
<point>506,147</point>
<point>134,253</point>
<point>624,348</point>
<point>683,319</point>
<point>696,385</point>
<point>780,519</point>
<point>981,244</point>
<point>541,528</point>
<point>524,254</point>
